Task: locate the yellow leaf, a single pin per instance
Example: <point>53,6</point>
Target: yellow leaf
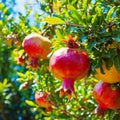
<point>53,20</point>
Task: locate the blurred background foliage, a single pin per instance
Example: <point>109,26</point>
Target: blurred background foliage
<point>97,25</point>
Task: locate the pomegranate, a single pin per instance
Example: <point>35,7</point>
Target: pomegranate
<point>21,60</point>
<point>69,64</point>
<point>41,99</point>
<point>36,47</point>
<point>106,96</point>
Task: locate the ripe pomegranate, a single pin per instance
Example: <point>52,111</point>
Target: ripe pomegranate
<point>41,99</point>
<point>106,96</point>
<point>36,47</point>
<point>69,63</point>
<point>21,60</point>
<point>110,76</point>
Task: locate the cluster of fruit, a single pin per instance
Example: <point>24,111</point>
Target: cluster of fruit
<point>107,91</point>
<point>71,63</point>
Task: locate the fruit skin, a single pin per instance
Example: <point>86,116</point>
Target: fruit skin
<point>106,97</point>
<point>69,64</point>
<point>41,99</point>
<point>36,47</point>
<point>110,76</point>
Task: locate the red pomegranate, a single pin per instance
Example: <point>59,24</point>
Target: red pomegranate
<point>41,99</point>
<point>21,60</point>
<point>36,47</point>
<point>69,64</point>
<point>106,97</point>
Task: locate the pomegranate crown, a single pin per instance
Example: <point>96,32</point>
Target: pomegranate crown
<point>71,42</point>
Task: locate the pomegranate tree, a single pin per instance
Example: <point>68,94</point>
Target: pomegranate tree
<point>69,64</point>
<point>37,47</point>
<point>106,96</point>
<point>41,99</point>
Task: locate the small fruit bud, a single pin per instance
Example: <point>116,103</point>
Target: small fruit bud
<point>21,60</point>
<point>24,85</point>
<point>41,99</point>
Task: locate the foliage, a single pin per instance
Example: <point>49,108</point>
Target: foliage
<point>96,23</point>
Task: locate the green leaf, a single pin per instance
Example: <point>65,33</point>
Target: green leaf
<point>83,39</point>
<point>110,13</point>
<point>109,63</point>
<point>84,5</point>
<point>101,70</point>
<point>30,103</point>
<point>74,11</point>
<point>94,19</point>
<point>5,10</point>
<point>91,45</point>
<point>5,82</point>
<point>117,62</point>
<point>117,38</point>
<point>1,87</point>
<point>21,79</point>
<point>73,2</point>
<point>4,85</point>
<point>98,11</point>
<point>116,117</point>
<point>59,34</point>
<point>35,29</point>
<point>117,20</point>
<point>75,15</point>
<point>21,74</point>
<point>1,6</point>
<point>1,23</point>
<point>53,20</point>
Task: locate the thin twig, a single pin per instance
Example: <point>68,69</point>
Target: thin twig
<point>75,25</point>
<point>47,28</point>
<point>2,111</point>
<point>51,7</point>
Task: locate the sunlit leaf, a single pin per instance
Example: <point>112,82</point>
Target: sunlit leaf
<point>110,13</point>
<point>74,11</point>
<point>1,23</point>
<point>4,85</point>
<point>98,11</point>
<point>57,5</point>
<point>84,4</point>
<point>5,10</point>
<point>53,20</point>
<point>21,74</point>
<point>94,19</point>
<point>1,6</point>
<point>77,16</point>
<point>30,103</point>
<point>5,82</point>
